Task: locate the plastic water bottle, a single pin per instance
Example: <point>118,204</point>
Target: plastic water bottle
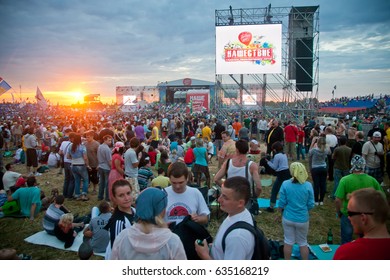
<point>329,239</point>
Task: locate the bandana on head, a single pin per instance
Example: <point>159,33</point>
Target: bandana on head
<point>358,163</point>
<point>150,203</point>
<point>298,171</point>
<point>117,146</point>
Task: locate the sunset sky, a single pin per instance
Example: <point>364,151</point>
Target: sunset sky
<point>72,48</point>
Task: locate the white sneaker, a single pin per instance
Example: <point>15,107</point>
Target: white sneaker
<point>316,204</point>
<point>321,203</point>
<point>37,174</point>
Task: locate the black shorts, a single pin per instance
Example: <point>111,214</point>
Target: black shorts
<point>93,175</point>
<point>32,157</point>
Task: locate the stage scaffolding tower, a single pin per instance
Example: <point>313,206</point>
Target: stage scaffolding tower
<point>296,87</point>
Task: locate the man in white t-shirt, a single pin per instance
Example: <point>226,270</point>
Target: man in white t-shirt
<point>10,177</point>
<point>182,199</point>
<point>239,243</point>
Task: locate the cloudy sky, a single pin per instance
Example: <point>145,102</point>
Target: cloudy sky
<point>92,46</point>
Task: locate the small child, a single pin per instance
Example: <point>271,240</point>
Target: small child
<point>19,156</point>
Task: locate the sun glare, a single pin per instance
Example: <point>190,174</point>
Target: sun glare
<point>77,96</point>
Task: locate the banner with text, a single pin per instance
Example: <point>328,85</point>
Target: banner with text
<point>198,101</point>
<point>249,49</point>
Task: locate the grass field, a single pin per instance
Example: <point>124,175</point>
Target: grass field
<point>14,231</point>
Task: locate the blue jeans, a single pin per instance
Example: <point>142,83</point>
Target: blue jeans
<point>68,188</point>
<point>80,172</point>
<point>346,229</point>
<point>319,183</point>
<point>300,151</point>
<point>281,176</point>
<point>338,174</point>
<point>103,184</point>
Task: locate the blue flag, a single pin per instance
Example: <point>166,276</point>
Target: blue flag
<point>4,86</point>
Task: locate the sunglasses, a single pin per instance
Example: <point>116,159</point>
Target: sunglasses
<point>352,213</point>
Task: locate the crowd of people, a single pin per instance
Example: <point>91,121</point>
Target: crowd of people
<point>147,170</point>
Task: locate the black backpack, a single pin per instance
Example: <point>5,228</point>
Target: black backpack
<point>262,249</point>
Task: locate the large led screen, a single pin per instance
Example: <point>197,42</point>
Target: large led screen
<point>249,49</point>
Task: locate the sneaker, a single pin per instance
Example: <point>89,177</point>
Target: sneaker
<point>37,174</point>
<point>270,210</point>
<point>321,203</point>
<point>316,204</point>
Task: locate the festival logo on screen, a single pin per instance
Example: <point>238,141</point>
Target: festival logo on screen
<point>197,101</point>
<point>248,47</point>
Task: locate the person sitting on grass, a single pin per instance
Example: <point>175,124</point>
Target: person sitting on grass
<point>66,230</point>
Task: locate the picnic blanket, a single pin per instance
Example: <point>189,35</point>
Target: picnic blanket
<point>43,238</point>
<point>265,202</point>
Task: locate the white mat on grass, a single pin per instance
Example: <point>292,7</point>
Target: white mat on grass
<point>43,238</point>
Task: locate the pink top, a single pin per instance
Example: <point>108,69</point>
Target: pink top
<point>115,157</point>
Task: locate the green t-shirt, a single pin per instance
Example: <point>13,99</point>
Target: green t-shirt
<point>26,197</point>
<point>247,123</point>
<point>354,182</point>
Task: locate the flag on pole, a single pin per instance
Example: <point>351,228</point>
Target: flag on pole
<point>335,87</point>
<point>41,101</point>
<point>4,86</point>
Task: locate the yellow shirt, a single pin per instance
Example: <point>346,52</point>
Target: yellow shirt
<point>206,132</point>
<point>155,134</point>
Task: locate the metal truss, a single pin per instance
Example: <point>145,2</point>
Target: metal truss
<point>298,23</point>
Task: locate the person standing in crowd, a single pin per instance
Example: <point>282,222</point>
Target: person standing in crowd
<point>154,137</point>
<point>301,151</point>
<point>253,127</point>
<point>358,145</point>
<point>386,147</point>
<point>317,165</point>
<point>236,126</point>
<point>280,164</point>
<point>228,149</point>
<point>131,165</point>
<point>295,201</point>
<point>352,130</point>
<point>201,163</point>
<point>331,143</point>
<point>139,132</point>
<point>149,238</point>
<point>291,137</point>
<point>182,199</point>
<point>236,167</point>
<point>240,243</point>
<point>356,180</point>
<point>263,127</point>
<point>372,152</point>
<point>92,147</point>
<point>218,129</point>
<point>104,167</point>
<point>117,166</point>
<point>341,157</point>
<point>68,188</point>
<point>368,212</point>
<point>274,134</point>
<point>31,144</point>
<point>80,166</point>
<point>123,215</point>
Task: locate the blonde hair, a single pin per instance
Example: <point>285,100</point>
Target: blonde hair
<point>66,218</point>
<point>159,219</point>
